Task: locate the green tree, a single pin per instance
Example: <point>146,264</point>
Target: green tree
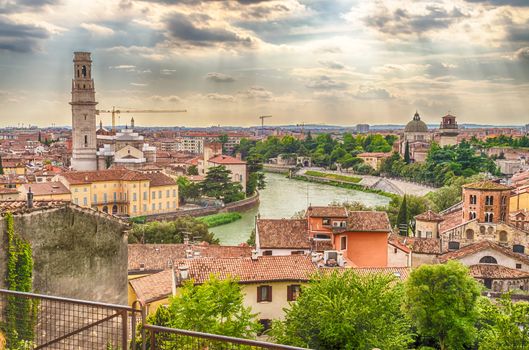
<point>440,301</point>
<point>192,170</point>
<point>503,326</point>
<point>187,190</point>
<point>344,310</point>
<point>402,218</point>
<point>218,184</point>
<point>407,157</point>
<point>171,231</point>
<point>1,166</point>
<point>216,306</point>
<point>223,139</point>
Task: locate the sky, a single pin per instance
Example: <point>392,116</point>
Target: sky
<point>339,62</point>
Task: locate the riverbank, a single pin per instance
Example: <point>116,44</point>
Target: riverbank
<point>344,184</point>
<point>220,219</point>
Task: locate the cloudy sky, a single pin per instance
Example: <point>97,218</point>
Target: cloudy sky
<point>227,62</point>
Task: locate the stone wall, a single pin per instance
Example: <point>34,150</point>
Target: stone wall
<point>77,253</point>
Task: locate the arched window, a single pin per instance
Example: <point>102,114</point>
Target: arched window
<point>503,236</point>
<point>85,140</point>
<point>114,209</point>
<point>470,234</point>
<point>83,71</point>
<point>105,209</point>
<point>488,260</point>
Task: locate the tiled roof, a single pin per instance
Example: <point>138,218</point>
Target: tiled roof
<point>495,271</point>
<point>283,233</point>
<point>327,212</point>
<point>429,216</point>
<point>368,221</point>
<point>155,257</point>
<point>374,154</point>
<point>397,242</point>
<point>479,246</point>
<point>46,188</point>
<point>224,159</point>
<point>401,272</point>
<point>424,245</point>
<point>264,269</point>
<point>16,207</point>
<point>451,220</point>
<point>487,185</point>
<point>87,177</point>
<point>160,179</point>
<point>4,190</point>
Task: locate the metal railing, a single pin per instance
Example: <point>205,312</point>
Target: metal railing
<point>46,322</point>
<point>35,321</point>
<point>158,337</point>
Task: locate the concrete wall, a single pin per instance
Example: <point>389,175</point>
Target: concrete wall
<point>365,249</point>
<point>422,259</point>
<point>502,259</point>
<point>396,257</point>
<point>77,253</point>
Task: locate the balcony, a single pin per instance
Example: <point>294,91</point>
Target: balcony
<point>47,322</point>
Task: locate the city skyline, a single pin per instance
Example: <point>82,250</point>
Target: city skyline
<point>340,63</point>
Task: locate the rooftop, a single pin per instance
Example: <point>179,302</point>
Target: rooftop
<point>224,159</point>
<point>429,216</point>
<point>18,207</point>
<point>480,246</point>
<point>370,221</point>
<point>46,188</point>
<point>495,271</point>
<point>327,212</point>
<point>283,233</point>
<point>487,185</point>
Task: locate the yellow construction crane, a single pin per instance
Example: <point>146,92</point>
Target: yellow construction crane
<point>115,112</point>
<point>263,117</point>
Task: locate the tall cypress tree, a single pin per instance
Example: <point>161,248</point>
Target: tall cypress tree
<point>1,167</point>
<point>402,217</point>
<point>407,158</point>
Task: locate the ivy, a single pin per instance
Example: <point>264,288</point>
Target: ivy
<point>20,312</point>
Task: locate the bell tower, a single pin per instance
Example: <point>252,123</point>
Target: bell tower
<point>84,145</point>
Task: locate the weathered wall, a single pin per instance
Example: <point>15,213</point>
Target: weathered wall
<point>77,253</point>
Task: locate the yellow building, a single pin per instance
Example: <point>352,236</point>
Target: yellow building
<point>13,167</point>
<point>373,159</point>
<point>122,191</point>
<point>519,199</point>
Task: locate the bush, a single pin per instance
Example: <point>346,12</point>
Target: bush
<point>220,219</point>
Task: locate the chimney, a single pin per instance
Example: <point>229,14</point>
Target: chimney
<point>184,272</point>
<point>315,257</point>
<point>254,255</point>
<point>30,199</point>
<point>238,155</point>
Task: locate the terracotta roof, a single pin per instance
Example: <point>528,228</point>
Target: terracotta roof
<point>487,185</point>
<point>368,221</point>
<point>401,272</point>
<point>283,233</point>
<point>397,242</point>
<point>264,269</point>
<point>16,207</point>
<point>327,212</point>
<point>424,245</point>
<point>224,159</point>
<point>87,177</point>
<point>46,188</point>
<point>429,216</point>
<point>451,220</point>
<point>495,271</point>
<point>4,190</point>
<point>155,257</point>
<point>160,179</point>
<point>374,154</point>
<point>479,246</point>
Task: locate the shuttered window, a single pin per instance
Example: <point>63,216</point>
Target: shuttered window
<point>293,292</point>
<point>264,293</point>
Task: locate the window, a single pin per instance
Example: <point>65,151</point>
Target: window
<point>489,200</point>
<point>428,234</point>
<point>322,236</point>
<point>145,195</point>
<point>76,201</point>
<point>95,198</point>
<point>134,208</point>
<point>518,248</point>
<point>471,215</point>
<point>85,138</point>
<point>326,221</point>
<point>153,195</point>
<point>160,194</point>
<point>343,243</point>
<point>267,252</point>
<point>453,245</point>
<point>174,193</point>
<point>503,236</point>
<point>264,293</point>
<point>297,252</point>
<point>470,234</point>
<point>153,207</point>
<point>473,199</point>
<point>116,196</point>
<point>159,206</point>
<point>489,217</point>
<point>518,266</point>
<point>145,207</point>
<point>488,260</point>
<point>266,323</point>
<point>293,292</point>
<point>85,201</point>
<point>105,198</point>
<point>134,196</point>
<point>168,204</point>
<point>167,193</point>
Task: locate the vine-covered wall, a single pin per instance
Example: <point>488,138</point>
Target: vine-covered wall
<point>77,253</point>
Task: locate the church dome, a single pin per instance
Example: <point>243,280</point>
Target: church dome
<point>416,125</point>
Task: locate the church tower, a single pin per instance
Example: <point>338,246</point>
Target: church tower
<point>448,131</point>
<point>83,103</point>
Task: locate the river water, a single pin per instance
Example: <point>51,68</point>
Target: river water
<point>284,197</point>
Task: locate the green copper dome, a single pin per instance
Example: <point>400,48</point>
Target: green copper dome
<point>416,125</point>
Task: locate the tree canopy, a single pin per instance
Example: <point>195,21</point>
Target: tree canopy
<point>218,184</point>
<point>171,231</point>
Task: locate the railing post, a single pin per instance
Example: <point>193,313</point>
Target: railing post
<point>133,328</point>
<point>124,331</point>
<point>153,340</point>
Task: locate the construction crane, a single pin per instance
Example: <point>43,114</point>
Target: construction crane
<point>115,112</point>
<point>263,117</point>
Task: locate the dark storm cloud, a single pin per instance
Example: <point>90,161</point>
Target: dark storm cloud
<point>11,6</point>
<point>20,37</point>
<point>219,78</point>
<point>400,21</point>
<point>183,30</point>
<point>502,2</point>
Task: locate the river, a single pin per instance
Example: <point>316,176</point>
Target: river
<point>284,197</point>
